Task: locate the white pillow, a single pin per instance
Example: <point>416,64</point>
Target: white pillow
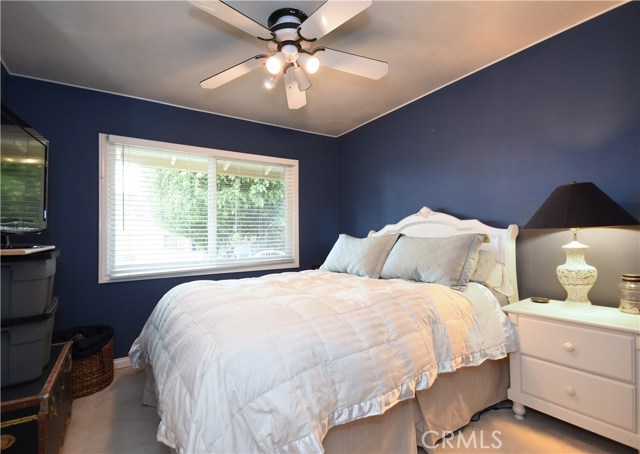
<point>360,256</point>
<point>484,267</point>
<point>493,274</point>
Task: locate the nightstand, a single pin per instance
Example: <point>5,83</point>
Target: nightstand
<point>581,367</point>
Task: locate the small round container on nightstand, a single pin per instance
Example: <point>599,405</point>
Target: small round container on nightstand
<point>630,293</point>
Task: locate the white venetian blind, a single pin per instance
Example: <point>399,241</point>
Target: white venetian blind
<point>171,210</point>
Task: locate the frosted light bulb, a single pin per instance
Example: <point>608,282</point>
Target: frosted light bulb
<point>310,63</point>
<point>275,63</point>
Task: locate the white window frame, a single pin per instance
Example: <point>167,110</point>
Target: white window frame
<point>257,265</point>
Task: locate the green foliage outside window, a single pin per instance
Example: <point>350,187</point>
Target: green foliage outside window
<point>249,211</point>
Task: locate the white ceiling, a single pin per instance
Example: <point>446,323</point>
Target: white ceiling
<point>161,50</point>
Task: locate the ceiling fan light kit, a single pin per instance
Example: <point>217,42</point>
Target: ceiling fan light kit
<point>275,63</point>
<point>310,63</point>
<point>301,78</point>
<point>289,40</point>
<point>295,98</point>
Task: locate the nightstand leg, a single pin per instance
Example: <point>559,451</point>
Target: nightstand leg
<point>518,411</point>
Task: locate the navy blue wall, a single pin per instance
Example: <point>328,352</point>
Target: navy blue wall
<point>494,145</point>
<point>71,119</point>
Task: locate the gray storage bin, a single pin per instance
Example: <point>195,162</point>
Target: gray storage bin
<point>27,284</point>
<point>26,346</point>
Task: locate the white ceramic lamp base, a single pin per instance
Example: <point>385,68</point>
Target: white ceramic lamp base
<point>577,277</point>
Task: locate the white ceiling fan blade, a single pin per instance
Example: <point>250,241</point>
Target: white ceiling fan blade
<point>351,63</point>
<point>295,97</point>
<point>233,17</point>
<point>233,73</point>
<point>330,16</point>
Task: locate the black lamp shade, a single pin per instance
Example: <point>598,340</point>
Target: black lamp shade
<point>577,205</point>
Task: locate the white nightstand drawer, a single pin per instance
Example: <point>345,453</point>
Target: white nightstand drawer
<point>598,397</point>
<point>602,352</point>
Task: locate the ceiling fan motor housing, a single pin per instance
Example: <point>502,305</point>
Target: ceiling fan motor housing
<point>284,24</point>
<point>286,15</point>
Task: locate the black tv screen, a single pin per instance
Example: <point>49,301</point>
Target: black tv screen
<point>23,177</point>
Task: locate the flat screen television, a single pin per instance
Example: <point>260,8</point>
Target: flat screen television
<point>23,178</point>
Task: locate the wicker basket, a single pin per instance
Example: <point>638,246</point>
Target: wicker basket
<point>93,373</point>
<point>91,357</point>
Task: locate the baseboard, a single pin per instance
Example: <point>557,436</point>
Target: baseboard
<point>121,363</point>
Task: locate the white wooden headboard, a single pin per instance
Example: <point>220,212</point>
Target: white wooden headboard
<point>431,224</point>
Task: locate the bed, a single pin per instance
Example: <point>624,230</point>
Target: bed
<point>395,341</point>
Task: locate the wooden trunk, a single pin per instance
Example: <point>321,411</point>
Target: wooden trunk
<point>35,414</point>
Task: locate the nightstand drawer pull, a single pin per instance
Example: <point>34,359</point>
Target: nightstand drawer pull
<point>569,390</point>
<point>568,346</point>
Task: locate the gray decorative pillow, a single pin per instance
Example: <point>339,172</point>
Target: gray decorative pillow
<point>359,256</point>
<point>448,260</point>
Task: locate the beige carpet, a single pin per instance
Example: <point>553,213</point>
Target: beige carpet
<point>114,421</point>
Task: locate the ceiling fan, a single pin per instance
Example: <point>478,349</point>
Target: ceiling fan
<point>290,39</point>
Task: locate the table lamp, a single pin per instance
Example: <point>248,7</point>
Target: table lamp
<point>574,206</point>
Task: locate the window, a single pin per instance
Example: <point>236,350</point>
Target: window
<point>176,210</point>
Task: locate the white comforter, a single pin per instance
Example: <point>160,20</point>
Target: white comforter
<point>269,364</point>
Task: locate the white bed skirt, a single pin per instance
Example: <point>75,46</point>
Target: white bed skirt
<point>445,407</point>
